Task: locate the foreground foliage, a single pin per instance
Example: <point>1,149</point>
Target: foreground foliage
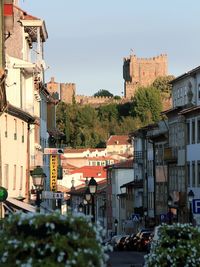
<point>178,245</point>
<point>50,240</point>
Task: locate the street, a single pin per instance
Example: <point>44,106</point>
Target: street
<point>126,259</point>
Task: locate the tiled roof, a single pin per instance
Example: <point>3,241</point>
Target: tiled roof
<point>91,171</point>
<point>81,188</point>
<point>118,140</point>
<point>71,150</point>
<point>100,158</point>
<point>128,164</point>
<point>81,150</point>
<point>68,166</point>
<point>26,16</point>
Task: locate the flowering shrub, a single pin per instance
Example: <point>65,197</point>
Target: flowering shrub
<point>178,245</point>
<point>37,240</point>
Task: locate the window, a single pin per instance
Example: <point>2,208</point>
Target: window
<point>193,132</point>
<point>21,178</point>
<point>6,175</point>
<point>15,129</point>
<point>193,173</point>
<point>14,176</point>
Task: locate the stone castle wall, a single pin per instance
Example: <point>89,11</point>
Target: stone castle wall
<point>91,100</point>
<point>136,72</point>
<point>67,92</point>
<point>142,72</point>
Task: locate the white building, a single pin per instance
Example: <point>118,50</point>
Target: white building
<point>23,125</point>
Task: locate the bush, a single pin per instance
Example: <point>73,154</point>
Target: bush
<point>36,239</point>
<point>178,245</point>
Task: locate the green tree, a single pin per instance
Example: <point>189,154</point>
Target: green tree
<point>147,104</point>
<point>103,92</point>
<point>163,84</point>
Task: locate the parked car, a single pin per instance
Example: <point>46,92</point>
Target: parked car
<point>143,241</point>
<point>136,239</point>
<point>129,242</point>
<point>121,242</point>
<point>114,241</point>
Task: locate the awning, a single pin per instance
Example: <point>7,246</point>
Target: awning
<point>13,205</point>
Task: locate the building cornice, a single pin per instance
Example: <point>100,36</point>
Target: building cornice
<point>21,114</point>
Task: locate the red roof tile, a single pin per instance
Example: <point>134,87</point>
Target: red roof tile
<point>128,164</point>
<point>91,171</point>
<point>118,140</point>
<point>71,150</point>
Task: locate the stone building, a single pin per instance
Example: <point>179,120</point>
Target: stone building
<point>142,72</point>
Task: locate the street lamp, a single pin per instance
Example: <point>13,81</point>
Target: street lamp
<point>116,224</point>
<point>38,177</point>
<point>169,202</point>
<point>92,185</point>
<point>190,198</point>
<point>87,200</point>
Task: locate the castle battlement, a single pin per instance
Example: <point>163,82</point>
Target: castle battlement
<point>142,72</point>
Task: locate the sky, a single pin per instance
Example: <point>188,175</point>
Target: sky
<point>88,39</point>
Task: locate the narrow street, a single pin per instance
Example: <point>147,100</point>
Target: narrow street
<point>126,259</point>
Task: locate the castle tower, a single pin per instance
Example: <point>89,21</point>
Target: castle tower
<point>67,92</point>
<point>53,87</point>
<point>142,72</point>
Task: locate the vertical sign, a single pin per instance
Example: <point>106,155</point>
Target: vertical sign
<point>53,172</point>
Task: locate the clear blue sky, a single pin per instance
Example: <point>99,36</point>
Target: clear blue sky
<point>88,39</point>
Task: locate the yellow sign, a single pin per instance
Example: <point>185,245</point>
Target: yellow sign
<point>53,172</point>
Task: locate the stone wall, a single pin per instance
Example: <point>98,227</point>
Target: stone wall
<point>142,72</point>
<point>67,92</point>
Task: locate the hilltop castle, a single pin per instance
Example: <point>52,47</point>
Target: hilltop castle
<point>142,72</point>
<point>136,72</point>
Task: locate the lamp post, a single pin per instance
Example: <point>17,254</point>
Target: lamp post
<point>92,185</point>
<point>116,224</point>
<point>38,177</point>
<point>190,198</point>
<point>87,201</point>
<point>169,202</point>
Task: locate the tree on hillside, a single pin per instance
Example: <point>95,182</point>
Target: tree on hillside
<point>108,112</point>
<point>103,92</point>
<point>147,104</point>
<point>163,84</point>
